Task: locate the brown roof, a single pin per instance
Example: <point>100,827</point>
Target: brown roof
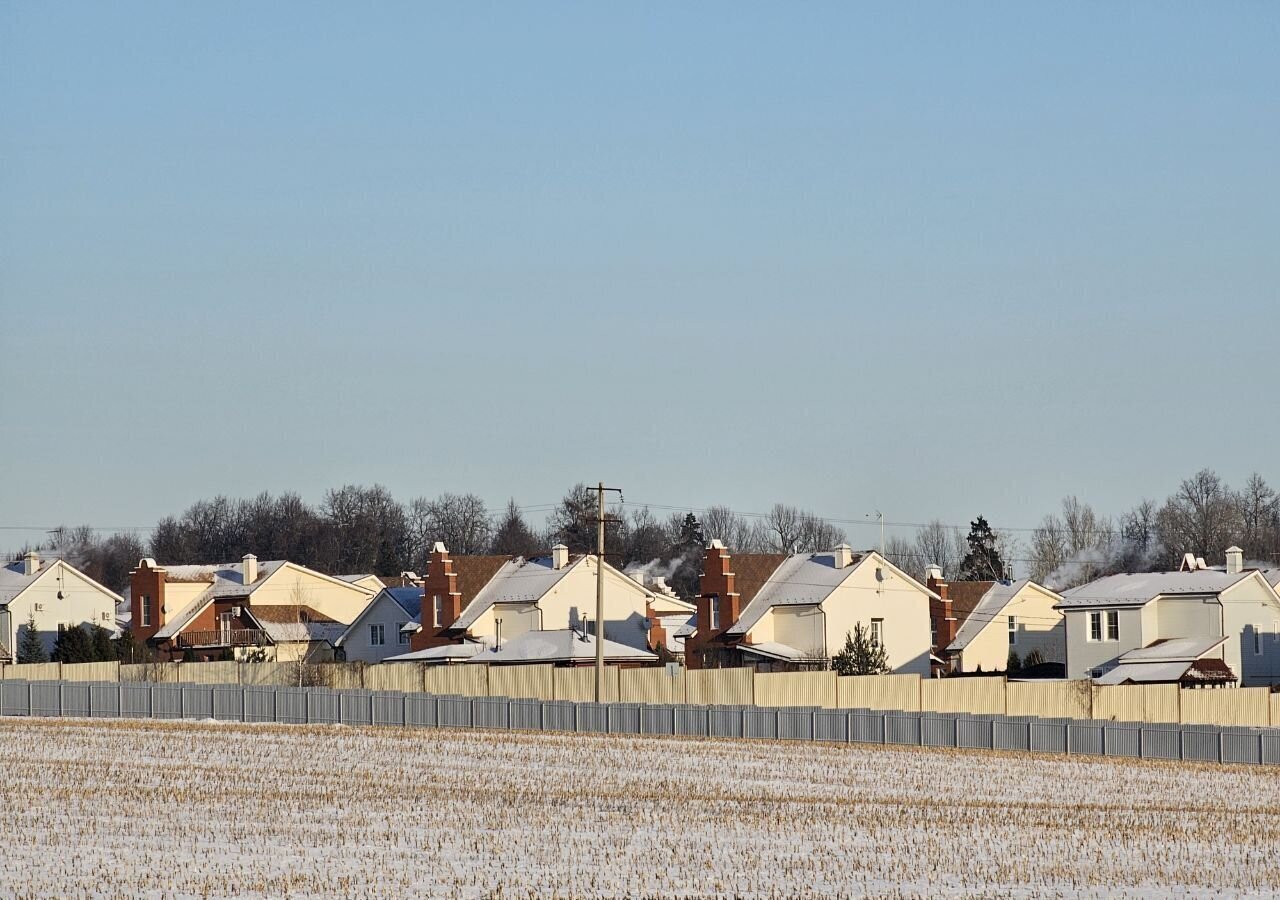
<point>965,596</point>
<point>752,571</point>
<point>285,613</point>
<point>1209,669</point>
<point>474,572</point>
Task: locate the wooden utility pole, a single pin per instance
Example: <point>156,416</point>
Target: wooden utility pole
<point>601,518</point>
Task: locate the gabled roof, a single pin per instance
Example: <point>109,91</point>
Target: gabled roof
<point>773,650</point>
<point>13,582</point>
<point>1170,660</point>
<point>1170,649</point>
<point>289,623</point>
<point>989,607</point>
<point>561,645</point>
<point>1272,576</point>
<point>510,581</point>
<point>409,599</point>
<point>965,596</point>
<point>1140,589</point>
<point>805,579</point>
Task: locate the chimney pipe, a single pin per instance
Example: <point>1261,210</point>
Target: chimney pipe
<point>249,568</point>
<point>843,556</point>
<point>1235,560</point>
<point>30,563</point>
<point>559,556</point>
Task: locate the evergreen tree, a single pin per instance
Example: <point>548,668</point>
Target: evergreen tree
<point>513,536</point>
<point>688,549</point>
<point>1014,666</point>
<point>101,647</point>
<point>1033,659</point>
<point>30,647</point>
<point>982,562</point>
<point>73,646</point>
<point>126,648</point>
<point>860,655</point>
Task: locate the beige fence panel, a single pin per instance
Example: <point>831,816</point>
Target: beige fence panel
<point>209,673</point>
<point>275,673</point>
<point>34,671</point>
<point>579,684</point>
<point>651,685</point>
<point>970,695</point>
<point>1050,699</point>
<point>533,682</point>
<point>1275,710</point>
<point>1121,703</point>
<point>727,687</point>
<point>404,676</point>
<point>1161,702</point>
<point>878,692</point>
<point>157,672</point>
<point>467,679</point>
<point>340,676</point>
<point>92,671</point>
<point>1225,706</point>
<point>796,689</point>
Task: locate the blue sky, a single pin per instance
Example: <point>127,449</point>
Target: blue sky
<point>934,259</point>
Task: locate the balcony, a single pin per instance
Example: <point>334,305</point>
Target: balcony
<point>223,637</point>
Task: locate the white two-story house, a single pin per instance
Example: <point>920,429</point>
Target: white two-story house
<point>55,595</point>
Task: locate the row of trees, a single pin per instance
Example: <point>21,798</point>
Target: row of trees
<point>74,644</point>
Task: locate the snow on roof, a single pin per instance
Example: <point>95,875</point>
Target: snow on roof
<point>802,580</point>
<point>1140,589</point>
<point>772,650</point>
<point>559,645</point>
<point>408,598</point>
<point>350,578</point>
<point>448,651</point>
<point>987,609</point>
<point>517,580</point>
<point>1186,649</point>
<point>13,582</point>
<point>1150,673</point>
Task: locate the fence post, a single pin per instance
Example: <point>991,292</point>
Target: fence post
<point>1181,739</point>
<point>575,718</point>
<point>244,702</point>
<point>542,715</point>
<point>151,701</point>
<point>777,722</point>
<point>956,723</point>
<point>1066,743</point>
<point>884,728</point>
<point>119,700</point>
<point>62,700</point>
<point>813,725</point>
<point>1220,743</point>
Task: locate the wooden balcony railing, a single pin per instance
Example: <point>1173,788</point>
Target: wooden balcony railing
<point>233,637</point>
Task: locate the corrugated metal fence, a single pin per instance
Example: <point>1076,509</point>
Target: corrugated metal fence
<point>318,705</point>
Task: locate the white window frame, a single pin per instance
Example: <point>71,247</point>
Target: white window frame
<point>377,634</point>
<point>1013,630</point>
<point>437,610</point>
<point>403,636</point>
<point>1094,632</point>
<point>715,613</point>
<point>877,632</point>
<point>1112,622</point>
<point>146,611</point>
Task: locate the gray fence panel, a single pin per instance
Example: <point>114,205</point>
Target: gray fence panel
<point>1087,738</point>
<point>228,703</point>
<point>725,721</point>
<point>197,701</point>
<point>1161,743</point>
<point>104,700</point>
<point>421,711</point>
<point>46,698</point>
<point>135,700</point>
<point>867,727</point>
<point>692,721</point>
<point>166,701</point>
<point>1242,745</point>
<point>938,731</point>
<point>624,718</point>
<point>593,717</point>
<point>797,724</point>
<point>975,734</point>
<point>260,704</point>
<point>1271,748</point>
<point>657,720</point>
<point>1010,735</point>
<point>525,715</point>
<point>1201,744</point>
<point>355,707</point>
<point>1123,739</point>
<point>831,725</point>
<point>387,708</point>
<point>15,698</point>
<point>321,706</point>
<point>901,729</point>
<point>491,712</point>
<point>559,715</point>
<point>760,723</point>
<point>453,712</point>
<point>1047,737</point>
<point>75,699</point>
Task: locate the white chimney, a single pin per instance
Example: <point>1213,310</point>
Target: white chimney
<point>249,568</point>
<point>1235,560</point>
<point>559,556</point>
<point>842,556</point>
<point>31,563</point>
<point>933,573</point>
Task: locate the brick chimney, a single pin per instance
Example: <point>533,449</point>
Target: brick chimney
<point>441,583</point>
<point>146,599</point>
<point>715,589</point>
<point>940,615</point>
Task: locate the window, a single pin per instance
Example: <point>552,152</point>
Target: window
<point>1013,630</point>
<point>403,635</point>
<point>146,610</point>
<point>877,632</point>
<point>933,632</point>
<point>1257,640</point>
<point>437,606</point>
<point>377,635</point>
<point>1095,626</point>
<point>1113,625</point>
<point>715,613</point>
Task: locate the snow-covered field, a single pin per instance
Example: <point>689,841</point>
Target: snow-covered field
<point>195,809</point>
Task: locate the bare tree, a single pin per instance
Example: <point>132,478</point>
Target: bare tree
<point>1259,512</point>
<point>941,545</point>
<point>736,532</point>
<point>786,526</point>
<point>461,521</point>
<point>1199,518</point>
<point>904,554</point>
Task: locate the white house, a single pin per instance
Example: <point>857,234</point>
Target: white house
<point>56,595</point>
<point>1018,617</point>
<point>774,611</point>
<point>379,630</point>
<point>1108,618</point>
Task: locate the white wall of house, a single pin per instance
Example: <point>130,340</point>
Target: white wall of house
<point>1085,654</point>
<point>801,627</point>
<point>1180,617</point>
<point>385,612</point>
<point>1038,626</point>
<point>574,596</point>
<point>292,584</point>
<point>1248,606</point>
<point>84,602</point>
<point>900,603</point>
<point>517,619</point>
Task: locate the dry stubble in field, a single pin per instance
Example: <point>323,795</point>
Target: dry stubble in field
<point>202,809</point>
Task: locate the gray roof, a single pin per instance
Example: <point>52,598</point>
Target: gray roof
<point>987,610</point>
<point>559,645</point>
<point>445,652</point>
<point>516,581</point>
<point>1140,589</point>
<point>13,582</point>
<point>1182,649</point>
<point>1272,576</point>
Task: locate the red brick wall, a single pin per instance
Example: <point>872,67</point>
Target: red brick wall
<point>944,623</point>
<point>146,582</point>
<point>442,582</point>
<point>717,580</point>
